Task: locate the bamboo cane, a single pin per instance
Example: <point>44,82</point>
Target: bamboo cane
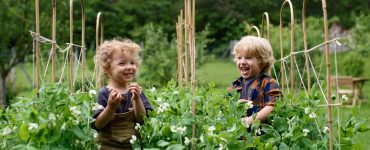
<point>38,52</point>
<point>83,45</point>
<point>305,46</point>
<point>256,29</point>
<point>291,45</point>
<point>186,44</point>
<point>180,49</point>
<point>327,54</point>
<point>97,69</point>
<point>265,15</point>
<point>193,68</point>
<point>53,51</point>
<point>71,60</point>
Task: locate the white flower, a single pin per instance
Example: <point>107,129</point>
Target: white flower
<point>307,110</point>
<point>181,130</point>
<point>312,115</point>
<point>133,139</point>
<point>221,146</point>
<point>159,99</point>
<point>305,132</point>
<point>32,126</point>
<point>173,129</point>
<point>52,117</point>
<point>74,110</point>
<point>257,132</point>
<point>92,92</point>
<point>63,126</point>
<point>201,138</point>
<point>187,141</point>
<point>152,90</point>
<point>175,92</point>
<point>344,98</point>
<point>248,105</point>
<point>163,107</point>
<point>325,130</point>
<point>211,128</point>
<point>6,131</point>
<point>137,127</point>
<point>95,135</point>
<point>244,122</point>
<point>97,107</point>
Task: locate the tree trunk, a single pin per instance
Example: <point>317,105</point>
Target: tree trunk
<point>3,102</point>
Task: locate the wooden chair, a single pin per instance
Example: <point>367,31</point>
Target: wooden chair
<point>345,87</point>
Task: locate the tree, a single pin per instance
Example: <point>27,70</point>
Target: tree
<point>15,21</point>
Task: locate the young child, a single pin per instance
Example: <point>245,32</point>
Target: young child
<point>123,101</point>
<point>253,58</point>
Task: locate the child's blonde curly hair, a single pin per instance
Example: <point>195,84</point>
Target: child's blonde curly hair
<point>103,56</point>
<point>256,47</point>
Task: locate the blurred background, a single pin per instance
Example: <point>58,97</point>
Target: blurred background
<point>151,23</point>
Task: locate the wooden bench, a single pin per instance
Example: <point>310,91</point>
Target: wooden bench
<point>344,85</point>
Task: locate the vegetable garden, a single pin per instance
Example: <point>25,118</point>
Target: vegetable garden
<point>187,114</point>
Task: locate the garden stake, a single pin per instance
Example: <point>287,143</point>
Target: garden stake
<point>291,46</point>
<point>53,52</point>
<point>38,52</point>
<point>83,46</point>
<point>327,54</point>
<point>98,70</point>
<point>71,59</point>
<point>305,46</point>
<point>257,30</point>
<point>265,15</point>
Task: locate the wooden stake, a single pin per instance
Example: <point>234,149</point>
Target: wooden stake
<point>305,46</point>
<point>38,52</point>
<point>266,15</point>
<point>83,46</point>
<point>256,29</point>
<point>327,54</point>
<point>291,45</point>
<point>53,51</point>
<point>71,59</point>
<point>97,68</point>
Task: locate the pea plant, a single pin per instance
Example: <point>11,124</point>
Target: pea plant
<point>54,120</point>
<point>58,120</point>
<point>219,126</point>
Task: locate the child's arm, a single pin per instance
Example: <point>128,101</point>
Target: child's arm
<point>261,115</point>
<point>139,110</point>
<point>106,115</point>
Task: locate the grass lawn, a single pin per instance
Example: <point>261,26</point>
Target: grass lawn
<point>224,72</point>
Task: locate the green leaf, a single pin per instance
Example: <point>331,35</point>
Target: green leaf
<point>23,132</point>
<point>175,147</point>
<point>283,146</point>
<point>162,143</point>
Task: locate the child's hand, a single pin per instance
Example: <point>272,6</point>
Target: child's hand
<point>244,101</point>
<point>135,90</point>
<point>114,99</point>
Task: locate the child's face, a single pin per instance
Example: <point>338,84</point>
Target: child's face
<point>248,65</point>
<point>122,68</point>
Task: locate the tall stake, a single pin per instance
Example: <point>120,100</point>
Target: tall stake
<point>53,52</point>
<point>327,55</point>
<point>71,47</point>
<point>98,70</point>
<point>291,45</point>
<point>305,46</point>
<point>193,81</point>
<point>179,49</point>
<point>186,44</point>
<point>38,52</point>
<point>266,15</point>
<point>83,46</point>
